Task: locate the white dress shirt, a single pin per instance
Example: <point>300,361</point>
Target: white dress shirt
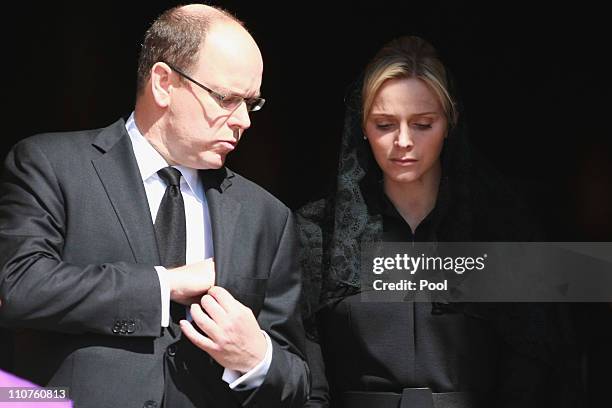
<point>198,237</point>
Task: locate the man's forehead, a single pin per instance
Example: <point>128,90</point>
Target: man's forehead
<point>232,61</point>
<point>231,39</point>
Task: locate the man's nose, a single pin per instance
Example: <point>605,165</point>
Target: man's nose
<point>240,120</point>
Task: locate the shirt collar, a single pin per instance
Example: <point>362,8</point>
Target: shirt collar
<point>150,161</point>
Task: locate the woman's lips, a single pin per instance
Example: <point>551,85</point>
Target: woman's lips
<point>404,162</point>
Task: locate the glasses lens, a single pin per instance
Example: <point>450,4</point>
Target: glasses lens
<point>231,102</point>
<point>255,104</point>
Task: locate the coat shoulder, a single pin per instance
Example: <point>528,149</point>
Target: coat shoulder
<point>62,144</point>
<point>253,194</point>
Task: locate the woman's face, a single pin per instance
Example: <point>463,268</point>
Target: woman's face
<point>406,128</point>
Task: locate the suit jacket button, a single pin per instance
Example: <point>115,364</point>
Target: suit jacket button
<point>172,350</point>
<point>131,327</point>
<point>150,404</point>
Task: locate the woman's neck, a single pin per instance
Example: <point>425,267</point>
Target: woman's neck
<point>415,199</point>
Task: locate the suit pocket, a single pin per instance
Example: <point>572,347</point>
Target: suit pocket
<point>249,291</point>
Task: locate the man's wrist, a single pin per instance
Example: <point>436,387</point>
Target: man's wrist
<point>258,359</point>
<point>254,377</point>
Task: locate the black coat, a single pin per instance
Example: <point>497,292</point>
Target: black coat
<point>78,285</point>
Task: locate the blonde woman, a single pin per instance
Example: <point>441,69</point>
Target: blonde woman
<point>406,174</point>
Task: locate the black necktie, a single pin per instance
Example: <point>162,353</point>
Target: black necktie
<point>170,229</point>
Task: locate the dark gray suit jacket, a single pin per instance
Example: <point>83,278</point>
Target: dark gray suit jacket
<point>78,285</point>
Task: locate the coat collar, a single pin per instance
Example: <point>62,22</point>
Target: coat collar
<point>224,212</point>
<point>120,177</point>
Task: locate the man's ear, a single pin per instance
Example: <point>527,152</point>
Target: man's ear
<point>161,84</point>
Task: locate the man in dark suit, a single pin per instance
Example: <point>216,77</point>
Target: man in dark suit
<point>107,241</point>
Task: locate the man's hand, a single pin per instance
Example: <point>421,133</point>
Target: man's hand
<point>234,338</point>
<point>188,283</point>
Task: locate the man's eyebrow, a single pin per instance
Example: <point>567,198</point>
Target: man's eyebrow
<point>252,95</point>
<point>229,92</point>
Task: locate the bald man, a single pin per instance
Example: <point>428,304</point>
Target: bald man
<point>136,268</point>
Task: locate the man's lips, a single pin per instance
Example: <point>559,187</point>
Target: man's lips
<point>227,144</point>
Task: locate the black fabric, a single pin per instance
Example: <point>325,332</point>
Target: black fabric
<point>457,347</point>
<point>170,229</point>
<point>413,398</point>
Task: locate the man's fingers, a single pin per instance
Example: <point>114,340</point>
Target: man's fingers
<point>198,339</point>
<point>223,297</point>
<point>209,268</point>
<point>204,322</point>
<point>212,307</point>
<point>210,262</point>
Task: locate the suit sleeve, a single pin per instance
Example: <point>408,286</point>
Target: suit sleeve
<point>319,393</point>
<point>37,288</point>
<point>287,381</point>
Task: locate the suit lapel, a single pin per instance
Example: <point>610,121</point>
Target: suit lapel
<point>119,174</point>
<point>224,211</point>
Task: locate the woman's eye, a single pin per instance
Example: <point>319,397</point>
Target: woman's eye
<point>422,126</point>
<point>383,126</point>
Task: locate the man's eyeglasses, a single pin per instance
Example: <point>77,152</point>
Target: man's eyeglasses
<point>229,102</point>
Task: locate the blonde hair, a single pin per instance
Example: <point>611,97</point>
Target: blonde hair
<point>408,57</point>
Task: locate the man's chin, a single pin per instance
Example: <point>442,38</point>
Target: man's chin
<point>210,162</point>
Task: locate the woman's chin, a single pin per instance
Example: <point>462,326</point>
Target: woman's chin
<point>404,177</point>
